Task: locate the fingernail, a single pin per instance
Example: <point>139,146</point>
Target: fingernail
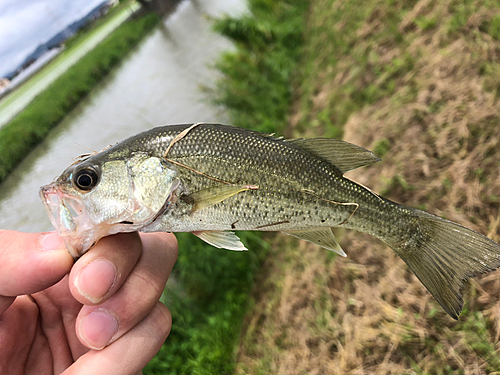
<point>98,328</point>
<point>51,241</point>
<point>96,279</point>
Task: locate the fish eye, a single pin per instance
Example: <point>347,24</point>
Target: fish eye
<point>86,179</point>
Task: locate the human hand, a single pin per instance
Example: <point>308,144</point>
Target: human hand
<point>100,315</point>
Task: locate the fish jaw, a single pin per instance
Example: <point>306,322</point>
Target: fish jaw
<point>145,191</point>
<point>68,215</point>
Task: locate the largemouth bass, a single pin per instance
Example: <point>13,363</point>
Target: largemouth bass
<point>212,179</point>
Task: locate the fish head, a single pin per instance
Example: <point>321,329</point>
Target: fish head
<point>104,195</point>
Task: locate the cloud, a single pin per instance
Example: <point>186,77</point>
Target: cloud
<point>27,23</point>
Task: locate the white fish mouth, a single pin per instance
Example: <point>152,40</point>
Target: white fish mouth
<point>69,217</point>
<point>81,219</point>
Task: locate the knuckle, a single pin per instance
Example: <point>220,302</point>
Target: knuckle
<point>163,319</point>
<point>148,283</point>
<point>121,243</point>
<point>160,251</point>
<point>168,243</point>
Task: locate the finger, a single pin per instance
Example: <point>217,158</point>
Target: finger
<point>5,302</point>
<point>99,273</point>
<point>97,326</point>
<point>132,351</point>
<point>30,262</point>
<point>58,310</point>
<point>17,330</point>
<point>40,358</point>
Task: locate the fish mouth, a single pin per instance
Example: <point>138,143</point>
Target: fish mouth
<point>69,217</point>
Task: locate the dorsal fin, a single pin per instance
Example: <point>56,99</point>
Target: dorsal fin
<point>343,155</point>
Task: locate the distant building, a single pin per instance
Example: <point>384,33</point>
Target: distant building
<point>46,51</point>
<point>4,83</point>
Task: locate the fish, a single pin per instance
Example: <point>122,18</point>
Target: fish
<point>212,180</point>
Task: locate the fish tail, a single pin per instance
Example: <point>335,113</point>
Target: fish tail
<point>444,255</point>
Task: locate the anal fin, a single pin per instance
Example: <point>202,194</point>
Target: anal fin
<point>221,239</point>
<point>319,236</point>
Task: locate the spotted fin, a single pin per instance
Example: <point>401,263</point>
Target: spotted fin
<point>319,236</point>
<point>343,155</point>
<point>221,239</point>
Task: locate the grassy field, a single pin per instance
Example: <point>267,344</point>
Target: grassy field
<point>418,82</point>
<point>30,126</point>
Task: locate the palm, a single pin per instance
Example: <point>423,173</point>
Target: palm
<point>43,329</point>
<point>50,327</point>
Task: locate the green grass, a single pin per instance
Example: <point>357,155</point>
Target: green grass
<point>31,126</point>
<point>95,26</point>
<point>256,88</point>
<point>258,79</point>
<point>208,308</point>
<point>350,49</point>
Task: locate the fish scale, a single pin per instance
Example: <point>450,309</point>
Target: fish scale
<point>210,179</point>
<point>268,168</point>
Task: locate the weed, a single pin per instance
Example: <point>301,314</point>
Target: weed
<point>426,23</point>
<point>382,147</point>
<point>256,85</point>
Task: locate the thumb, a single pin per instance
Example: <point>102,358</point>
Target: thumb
<point>30,262</point>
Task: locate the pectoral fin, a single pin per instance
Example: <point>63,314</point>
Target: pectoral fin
<point>216,194</point>
<point>221,240</point>
<point>319,236</point>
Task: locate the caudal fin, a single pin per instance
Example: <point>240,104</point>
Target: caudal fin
<point>444,255</point>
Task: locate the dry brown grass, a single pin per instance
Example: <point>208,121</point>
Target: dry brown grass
<point>439,130</point>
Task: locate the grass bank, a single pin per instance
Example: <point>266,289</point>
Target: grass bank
<point>418,83</point>
<point>30,127</point>
<point>215,285</point>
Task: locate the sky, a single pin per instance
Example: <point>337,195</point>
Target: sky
<point>24,24</point>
